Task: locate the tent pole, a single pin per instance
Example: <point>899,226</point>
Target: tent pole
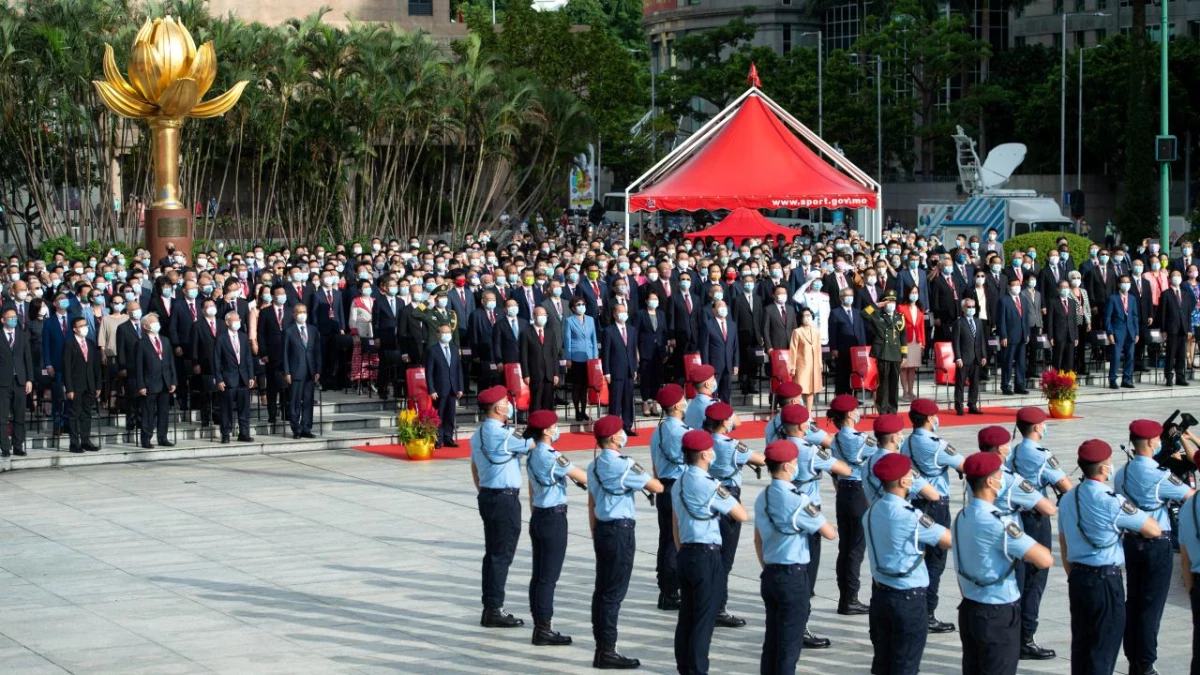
<point>626,218</point>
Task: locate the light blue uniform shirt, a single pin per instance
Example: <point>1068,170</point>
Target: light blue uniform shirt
<point>1150,486</point>
<point>988,546</point>
<point>1036,464</point>
<point>1189,531</point>
<point>815,435</point>
<point>811,462</point>
<point>613,481</point>
<point>693,416</point>
<point>698,502</point>
<point>853,448</point>
<point>774,432</point>
<point>897,535</point>
<point>932,458</point>
<point>547,469</point>
<point>727,466</point>
<point>666,448</point>
<point>874,487</point>
<point>1016,495</point>
<point>1095,538</point>
<point>494,450</point>
<point>784,518</point>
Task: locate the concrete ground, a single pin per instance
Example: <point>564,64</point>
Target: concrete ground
<point>346,562</point>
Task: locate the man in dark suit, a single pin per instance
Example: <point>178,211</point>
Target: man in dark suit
<point>16,382</point>
<point>870,294</point>
<point>719,346</point>
<point>462,302</point>
<point>556,307</point>
<point>1012,327</point>
<point>1140,289</point>
<point>327,312</point>
<point>301,370</point>
<point>155,379</point>
<point>1175,318</point>
<point>385,322</point>
<point>506,334</point>
<point>1121,324</point>
<point>619,357</point>
<point>541,349</point>
<point>233,368</point>
<point>129,335</point>
<point>1061,325</point>
<point>945,296</point>
<point>970,356</point>
<point>56,330</point>
<point>685,316</point>
<point>1101,283</point>
<point>846,330</point>
<point>202,344</point>
<point>913,277</point>
<point>1054,272</point>
<point>479,337</point>
<point>595,292</point>
<point>1185,260</point>
<point>624,292</point>
<point>747,310</point>
<point>185,310</point>
<point>527,296</point>
<point>299,291</point>
<point>963,271</point>
<point>271,322</point>
<point>778,321</point>
<point>444,375</point>
<point>81,364</point>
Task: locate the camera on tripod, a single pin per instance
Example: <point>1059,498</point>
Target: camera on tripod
<point>1172,455</point>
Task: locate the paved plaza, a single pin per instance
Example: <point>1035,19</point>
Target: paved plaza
<point>346,562</point>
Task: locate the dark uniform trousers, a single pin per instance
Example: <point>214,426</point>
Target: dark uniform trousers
<point>1175,358</point>
<point>1062,355</point>
<point>235,407</point>
<point>785,593</point>
<point>889,382</point>
<point>935,557</point>
<point>899,626</point>
<point>841,373</point>
<point>967,378</point>
<point>1031,580</point>
<point>702,582</point>
<point>850,505</point>
<point>731,534</point>
<point>1148,563</point>
<point>1097,600</point>
<point>814,561</point>
<point>82,407</point>
<point>991,637</point>
<point>548,534</point>
<point>614,545</point>
<point>501,513</point>
<point>666,566</point>
<point>1194,596</point>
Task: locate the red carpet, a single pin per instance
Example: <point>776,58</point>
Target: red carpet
<point>572,442</point>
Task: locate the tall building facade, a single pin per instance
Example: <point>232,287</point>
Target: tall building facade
<point>435,17</point>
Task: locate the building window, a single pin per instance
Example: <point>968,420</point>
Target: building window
<point>1101,4</point>
<point>420,7</point>
<point>1100,35</point>
<point>1079,38</point>
<point>1019,41</point>
<point>1194,30</point>
<point>787,39</point>
<point>1058,6</point>
<point>1080,5</point>
<point>787,3</point>
<point>1056,40</point>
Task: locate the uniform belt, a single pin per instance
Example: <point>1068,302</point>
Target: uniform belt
<point>943,500</point>
<point>850,481</point>
<point>701,547</point>
<point>619,522</point>
<point>559,508</point>
<point>884,588</point>
<point>667,482</point>
<point>794,567</point>
<point>1102,570</point>
<point>500,491</point>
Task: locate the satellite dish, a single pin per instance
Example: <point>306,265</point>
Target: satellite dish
<point>548,5</point>
<point>1000,164</point>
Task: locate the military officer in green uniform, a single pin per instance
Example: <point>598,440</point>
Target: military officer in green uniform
<point>888,349</point>
<point>437,313</point>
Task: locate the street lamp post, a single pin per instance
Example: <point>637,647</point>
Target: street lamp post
<point>1164,168</point>
<point>1079,139</point>
<point>820,81</point>
<point>1062,142</point>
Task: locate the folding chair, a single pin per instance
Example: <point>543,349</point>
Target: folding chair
<point>597,386</point>
<point>945,370</point>
<point>864,374</point>
<point>690,361</point>
<point>780,372</point>
<point>518,391</point>
<point>418,389</point>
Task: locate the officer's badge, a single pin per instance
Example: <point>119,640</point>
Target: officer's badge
<point>950,450</point>
<point>563,461</point>
<point>871,442</point>
<point>822,452</point>
<point>1128,507</point>
<point>722,491</point>
<point>1012,530</point>
<point>1174,480</point>
<point>1052,462</point>
<point>637,468</point>
<point>812,510</point>
<point>1026,486</point>
<point>925,520</point>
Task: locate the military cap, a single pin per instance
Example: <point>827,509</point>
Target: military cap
<point>843,403</point>
<point>924,406</point>
<point>782,452</point>
<point>669,395</point>
<point>1145,429</point>
<point>1094,450</point>
<point>993,437</point>
<point>607,426</point>
<point>982,464</point>
<point>492,395</point>
<point>543,419</point>
<point>892,466</point>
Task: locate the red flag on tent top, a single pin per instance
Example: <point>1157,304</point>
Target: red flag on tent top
<point>753,80</point>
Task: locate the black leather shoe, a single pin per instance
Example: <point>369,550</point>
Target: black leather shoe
<point>1006,392</point>
<point>1022,392</point>
<point>245,439</point>
<point>545,636</point>
<point>1179,381</point>
<point>296,436</point>
<point>975,411</point>
<point>631,432</point>
<point>958,410</point>
<point>224,439</point>
<point>936,626</point>
<point>451,444</point>
<point>727,620</point>
<point>607,658</point>
<point>74,449</point>
<point>166,444</point>
<point>498,618</point>
<point>813,642</point>
<point>307,434</point>
<point>1032,651</point>
<point>18,452</point>
<point>853,608</point>
<point>1127,385</point>
<point>669,602</point>
<point>1112,385</point>
<point>147,446</point>
<point>86,446</point>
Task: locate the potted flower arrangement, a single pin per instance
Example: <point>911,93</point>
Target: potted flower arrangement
<point>416,430</point>
<point>1059,388</point>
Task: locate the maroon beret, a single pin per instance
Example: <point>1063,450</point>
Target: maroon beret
<point>543,419</point>
<point>794,414</point>
<point>607,426</point>
<point>892,466</point>
<point>669,395</point>
<point>1145,429</point>
<point>697,441</point>
<point>719,411</point>
<point>888,424</point>
<point>782,451</point>
<point>702,372</point>
<point>982,464</point>
<point>789,390</point>
<point>924,406</point>
<point>843,404</point>
<point>492,395</point>
<point>1094,450</point>
<point>1031,415</point>
<point>993,437</point>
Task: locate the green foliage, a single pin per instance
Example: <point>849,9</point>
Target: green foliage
<point>74,251</point>
<point>1044,242</point>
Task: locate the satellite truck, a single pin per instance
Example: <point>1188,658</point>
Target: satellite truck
<point>989,206</point>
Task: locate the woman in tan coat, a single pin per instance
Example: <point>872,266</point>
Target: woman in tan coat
<point>805,356</point>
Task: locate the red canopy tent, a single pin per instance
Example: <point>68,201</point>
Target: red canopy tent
<point>744,224</point>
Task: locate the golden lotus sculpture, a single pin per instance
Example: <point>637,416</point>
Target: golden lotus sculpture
<point>167,78</point>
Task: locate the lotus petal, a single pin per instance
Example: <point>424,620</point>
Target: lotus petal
<point>179,98</point>
<point>204,68</point>
<point>144,32</point>
<point>175,61</point>
<point>187,38</point>
<point>125,106</point>
<point>145,72</point>
<point>114,77</point>
<point>221,104</point>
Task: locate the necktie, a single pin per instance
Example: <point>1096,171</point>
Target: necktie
<point>157,348</point>
<point>82,346</point>
<point>137,330</point>
<point>596,288</point>
<point>971,322</point>
<point>446,351</point>
<point>724,335</point>
<point>1066,308</point>
<point>21,312</point>
<point>872,290</point>
<point>237,347</point>
<point>513,323</point>
<point>783,314</point>
<point>624,340</point>
<point>557,308</point>
<point>192,306</point>
<point>1178,297</point>
<point>1103,274</point>
<point>63,321</point>
<point>329,299</point>
<point>279,315</point>
<point>462,298</point>
<point>212,326</point>
<point>491,317</point>
<point>687,302</point>
<point>303,335</point>
<point>1125,303</point>
<point>1017,302</point>
<point>541,338</point>
<point>667,290</point>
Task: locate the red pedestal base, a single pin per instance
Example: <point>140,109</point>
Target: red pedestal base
<point>168,226</point>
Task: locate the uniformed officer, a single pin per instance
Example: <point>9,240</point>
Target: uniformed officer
<point>932,458</point>
<point>1016,495</point>
<point>496,469</point>
<point>897,537</point>
<point>889,436</point>
<point>1151,488</point>
<point>1090,521</point>
<point>854,448</point>
<point>548,473</point>
<point>700,500</point>
<point>705,382</point>
<point>726,468</point>
<point>1188,532</point>
<point>437,313</point>
<point>988,547</point>
<point>888,349</point>
<point>1042,469</point>
<point>787,394</point>
<point>666,453</point>
<point>613,479</point>
<point>783,520</point>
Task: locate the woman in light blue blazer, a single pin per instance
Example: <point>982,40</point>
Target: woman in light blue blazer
<point>579,345</point>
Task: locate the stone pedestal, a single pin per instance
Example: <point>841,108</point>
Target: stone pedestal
<point>165,226</point>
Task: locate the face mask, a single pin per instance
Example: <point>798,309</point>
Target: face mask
<point>1187,251</point>
<point>302,319</point>
<point>970,311</point>
<point>652,304</point>
<point>1076,282</point>
<point>280,299</point>
<point>210,311</point>
<point>1032,283</point>
<point>166,292</point>
<point>960,258</point>
<point>98,300</point>
<point>947,271</point>
<point>593,275</point>
<point>749,285</point>
<point>1014,290</point>
<point>512,311</point>
<point>511,412</point>
<point>1175,281</point>
<point>580,309</point>
<point>1125,287</point>
<point>848,300</point>
<point>1138,270</point>
<point>914,297</point>
<point>1064,292</point>
<point>889,307</point>
<point>236,325</point>
<point>442,302</point>
<point>1155,266</point>
<point>573,277</point>
<point>1017,263</point>
<point>393,290</point>
<point>445,338</point>
<point>780,299</point>
<point>995,269</point>
<point>193,293</point>
<point>11,322</point>
<point>1103,260</point>
<point>1033,255</point>
<point>776,274</point>
<point>685,284</point>
<point>722,312</point>
<point>1119,258</point>
<point>418,297</point>
<point>154,327</point>
<point>298,277</point>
